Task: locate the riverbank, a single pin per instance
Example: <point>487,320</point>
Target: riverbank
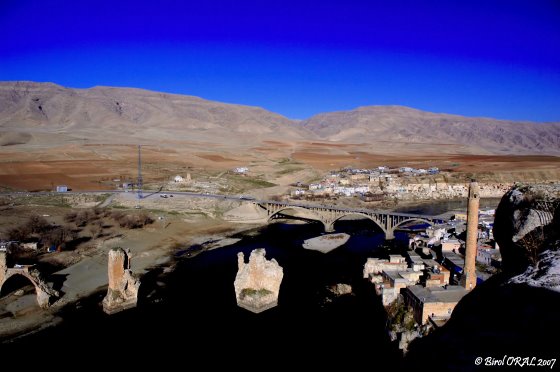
<point>195,303</point>
<point>152,248</point>
<point>156,248</point>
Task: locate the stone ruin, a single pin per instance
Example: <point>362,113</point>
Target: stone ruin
<point>123,288</point>
<point>257,283</point>
<point>45,294</point>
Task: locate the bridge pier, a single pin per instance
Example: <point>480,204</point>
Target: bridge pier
<point>329,227</point>
<point>389,235</point>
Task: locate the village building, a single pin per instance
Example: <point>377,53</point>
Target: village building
<point>432,302</point>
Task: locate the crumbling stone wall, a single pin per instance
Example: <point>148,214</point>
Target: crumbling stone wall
<point>123,285</point>
<point>257,284</point>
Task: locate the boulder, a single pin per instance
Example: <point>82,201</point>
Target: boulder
<point>341,289</point>
<point>526,224</point>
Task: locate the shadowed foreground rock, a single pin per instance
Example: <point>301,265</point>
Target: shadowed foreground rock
<point>257,283</point>
<point>514,313</point>
<point>123,285</point>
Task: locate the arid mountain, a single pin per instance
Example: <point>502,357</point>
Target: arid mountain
<point>39,113</point>
<point>115,114</point>
<point>403,124</point>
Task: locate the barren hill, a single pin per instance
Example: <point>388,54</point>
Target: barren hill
<point>127,115</point>
<point>396,124</point>
<point>42,113</point>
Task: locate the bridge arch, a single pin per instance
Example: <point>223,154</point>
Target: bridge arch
<point>307,213</point>
<point>17,276</point>
<point>374,220</point>
<point>43,291</point>
<point>419,219</point>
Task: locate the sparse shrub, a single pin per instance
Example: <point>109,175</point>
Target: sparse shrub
<point>250,292</point>
<point>133,221</point>
<point>96,229</point>
<point>59,235</point>
<point>400,316</point>
<point>19,233</point>
<point>70,217</point>
<point>84,217</point>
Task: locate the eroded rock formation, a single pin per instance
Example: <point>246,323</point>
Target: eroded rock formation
<point>257,284</point>
<point>526,225</point>
<point>123,285</point>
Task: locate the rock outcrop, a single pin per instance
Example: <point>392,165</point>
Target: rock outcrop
<point>257,284</point>
<point>326,243</point>
<point>123,285</point>
<point>526,225</point>
<point>340,289</point>
<point>513,312</point>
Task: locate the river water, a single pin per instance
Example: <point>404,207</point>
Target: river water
<point>192,310</point>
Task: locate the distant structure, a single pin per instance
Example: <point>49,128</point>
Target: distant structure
<point>139,182</point>
<point>468,280</point>
<point>181,179</point>
<point>61,188</point>
<point>240,170</point>
<point>123,288</point>
<point>257,283</point>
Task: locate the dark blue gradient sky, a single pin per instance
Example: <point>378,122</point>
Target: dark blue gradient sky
<point>488,58</point>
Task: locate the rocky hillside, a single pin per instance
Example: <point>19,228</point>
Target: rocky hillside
<point>403,124</point>
<point>32,112</point>
<point>514,313</point>
<point>118,113</point>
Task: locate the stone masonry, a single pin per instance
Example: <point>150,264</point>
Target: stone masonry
<point>123,285</point>
<point>257,283</point>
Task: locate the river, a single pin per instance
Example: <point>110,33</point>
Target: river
<point>192,310</point>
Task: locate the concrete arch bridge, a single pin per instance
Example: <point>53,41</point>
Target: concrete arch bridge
<point>387,221</point>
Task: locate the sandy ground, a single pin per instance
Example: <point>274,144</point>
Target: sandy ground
<point>326,243</point>
<point>98,166</point>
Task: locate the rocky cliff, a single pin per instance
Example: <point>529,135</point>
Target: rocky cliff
<point>513,313</point>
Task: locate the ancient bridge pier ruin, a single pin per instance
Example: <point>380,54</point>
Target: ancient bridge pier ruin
<point>45,294</point>
<point>257,283</point>
<point>123,284</point>
<point>388,222</point>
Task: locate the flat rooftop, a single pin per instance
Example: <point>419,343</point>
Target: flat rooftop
<point>452,294</point>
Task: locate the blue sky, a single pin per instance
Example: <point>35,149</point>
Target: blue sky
<point>489,58</point>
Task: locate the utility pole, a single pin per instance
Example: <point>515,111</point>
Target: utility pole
<point>139,180</point>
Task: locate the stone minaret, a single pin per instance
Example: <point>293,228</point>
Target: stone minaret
<point>468,279</point>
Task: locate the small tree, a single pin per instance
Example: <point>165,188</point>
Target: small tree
<point>37,224</point>
<point>19,233</point>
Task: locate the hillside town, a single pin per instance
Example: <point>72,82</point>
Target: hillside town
<point>403,183</point>
<point>428,281</point>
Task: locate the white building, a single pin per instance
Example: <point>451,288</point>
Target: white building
<point>240,170</point>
